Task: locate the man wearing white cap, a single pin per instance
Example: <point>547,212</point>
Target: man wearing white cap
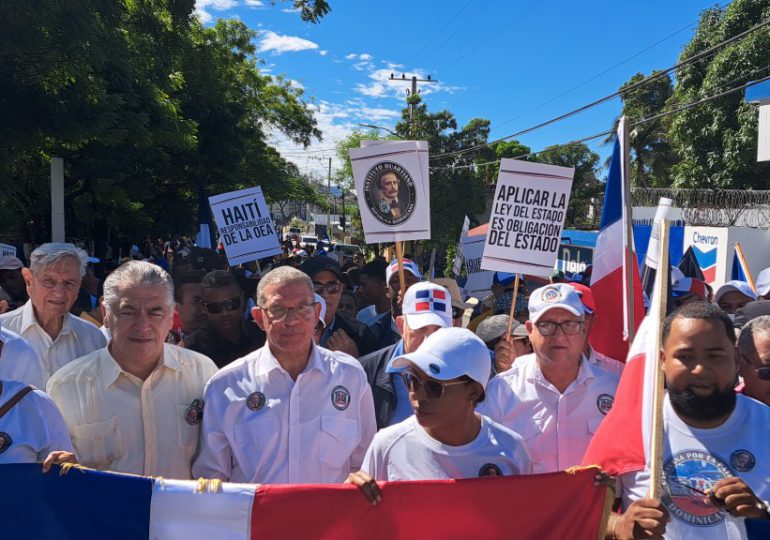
<point>733,295</point>
<point>427,307</point>
<point>446,437</point>
<point>412,275</point>
<point>555,397</point>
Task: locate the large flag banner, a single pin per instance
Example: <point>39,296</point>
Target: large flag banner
<point>651,258</point>
<point>614,260</point>
<point>393,189</point>
<point>621,443</point>
<point>457,264</point>
<point>245,225</point>
<point>741,270</point>
<point>528,212</point>
<point>88,505</point>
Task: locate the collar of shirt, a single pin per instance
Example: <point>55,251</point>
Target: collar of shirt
<point>29,319</point>
<point>267,362</point>
<point>585,373</point>
<point>111,370</point>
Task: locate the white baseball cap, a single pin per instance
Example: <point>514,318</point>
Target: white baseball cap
<point>735,285</point>
<point>556,295</point>
<point>426,303</point>
<point>763,282</point>
<point>409,266</point>
<point>449,353</point>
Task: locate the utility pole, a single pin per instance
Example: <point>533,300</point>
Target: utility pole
<point>412,92</point>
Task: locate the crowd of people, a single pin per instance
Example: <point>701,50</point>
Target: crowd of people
<point>305,370</point>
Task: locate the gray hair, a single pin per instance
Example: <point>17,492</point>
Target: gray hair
<point>283,275</point>
<point>50,254</point>
<point>136,273</point>
<point>760,325</point>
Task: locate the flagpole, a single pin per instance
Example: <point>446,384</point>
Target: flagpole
<point>660,294</point>
<point>742,257</point>
<point>513,307</point>
<point>399,256</point>
<point>628,231</point>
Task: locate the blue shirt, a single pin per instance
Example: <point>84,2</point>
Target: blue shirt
<point>403,409</point>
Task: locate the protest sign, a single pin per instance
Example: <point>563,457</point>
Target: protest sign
<point>245,225</point>
<point>478,281</point>
<point>528,212</point>
<point>458,262</point>
<point>392,188</point>
<point>7,249</point>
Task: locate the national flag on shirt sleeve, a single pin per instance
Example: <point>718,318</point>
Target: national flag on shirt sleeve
<point>611,329</point>
<point>88,505</point>
<point>621,442</point>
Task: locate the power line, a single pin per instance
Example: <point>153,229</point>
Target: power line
<point>443,29</point>
<point>652,118</point>
<point>447,40</point>
<point>629,88</point>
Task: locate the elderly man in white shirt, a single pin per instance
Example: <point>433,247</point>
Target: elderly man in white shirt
<point>57,337</point>
<point>555,397</point>
<point>290,412</point>
<point>136,405</point>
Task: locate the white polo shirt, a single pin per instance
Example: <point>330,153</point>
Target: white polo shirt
<point>120,423</point>
<point>260,426</point>
<point>32,429</point>
<point>18,361</point>
<point>406,452</point>
<point>556,426</point>
<point>76,338</point>
<point>700,458</point>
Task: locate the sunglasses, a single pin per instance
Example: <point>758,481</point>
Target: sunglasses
<point>433,389</point>
<point>227,305</point>
<point>331,288</point>
<point>763,373</point>
<point>457,313</point>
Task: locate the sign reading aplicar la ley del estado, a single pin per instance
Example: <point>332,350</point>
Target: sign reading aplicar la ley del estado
<point>528,212</point>
<point>245,225</point>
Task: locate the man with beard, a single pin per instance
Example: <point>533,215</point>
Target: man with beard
<point>715,441</point>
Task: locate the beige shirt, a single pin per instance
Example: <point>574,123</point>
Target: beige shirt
<point>77,338</point>
<point>120,423</point>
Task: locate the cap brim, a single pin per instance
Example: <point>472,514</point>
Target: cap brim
<point>545,310</point>
<point>421,320</point>
<point>423,361</point>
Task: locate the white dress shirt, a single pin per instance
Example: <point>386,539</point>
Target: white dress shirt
<point>120,423</point>
<point>32,428</point>
<point>556,427</point>
<point>76,338</point>
<point>18,361</point>
<point>260,426</point>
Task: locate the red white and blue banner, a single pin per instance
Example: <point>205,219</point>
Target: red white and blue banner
<point>90,505</point>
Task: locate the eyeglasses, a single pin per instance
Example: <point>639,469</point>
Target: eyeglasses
<point>279,313</point>
<point>763,373</point>
<point>228,305</point>
<point>331,288</point>
<point>433,389</point>
<point>568,328</point>
<point>457,312</point>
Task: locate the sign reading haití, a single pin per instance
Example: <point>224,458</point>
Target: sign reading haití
<point>528,212</point>
<point>245,225</point>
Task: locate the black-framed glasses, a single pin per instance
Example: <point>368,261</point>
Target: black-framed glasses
<point>227,305</point>
<point>331,288</point>
<point>568,328</point>
<point>457,312</point>
<point>433,389</point>
<point>279,313</point>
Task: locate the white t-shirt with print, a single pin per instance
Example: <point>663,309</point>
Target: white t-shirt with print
<point>406,452</point>
<point>700,458</point>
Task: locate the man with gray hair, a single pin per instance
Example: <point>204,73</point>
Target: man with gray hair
<point>136,405</point>
<point>754,348</point>
<point>53,281</point>
<point>289,412</point>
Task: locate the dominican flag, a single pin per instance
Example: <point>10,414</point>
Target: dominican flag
<point>203,238</point>
<point>430,300</point>
<point>741,270</point>
<point>619,311</point>
<point>83,504</point>
<point>621,443</point>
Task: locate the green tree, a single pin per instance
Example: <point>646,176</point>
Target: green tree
<point>586,187</point>
<point>717,140</point>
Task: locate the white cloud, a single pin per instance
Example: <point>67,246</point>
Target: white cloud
<point>323,52</point>
<point>351,56</point>
<point>291,10</point>
<point>202,8</point>
<point>382,87</point>
<point>254,3</point>
<point>280,44</point>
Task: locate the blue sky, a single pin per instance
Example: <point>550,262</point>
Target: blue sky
<point>507,61</point>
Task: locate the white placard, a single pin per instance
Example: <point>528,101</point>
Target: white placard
<point>478,281</point>
<point>393,190</point>
<point>528,212</point>
<point>245,225</point>
<point>7,249</point>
